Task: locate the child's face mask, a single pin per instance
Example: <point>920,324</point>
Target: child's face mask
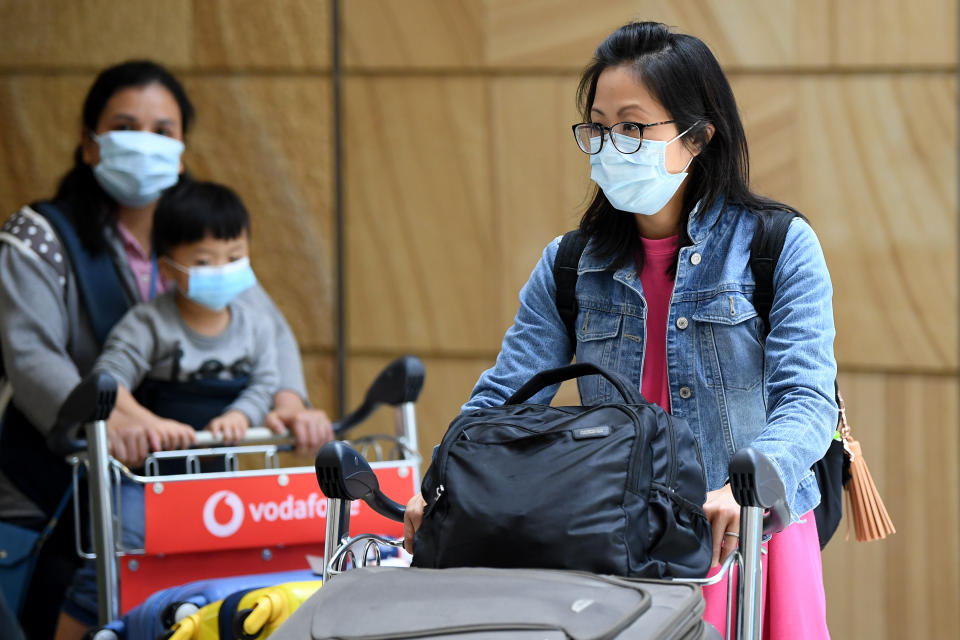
<point>216,286</point>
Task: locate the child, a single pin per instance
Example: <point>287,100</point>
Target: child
<point>193,335</point>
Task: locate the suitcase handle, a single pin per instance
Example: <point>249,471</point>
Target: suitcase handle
<point>555,376</point>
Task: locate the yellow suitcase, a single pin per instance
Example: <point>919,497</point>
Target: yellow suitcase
<point>257,614</point>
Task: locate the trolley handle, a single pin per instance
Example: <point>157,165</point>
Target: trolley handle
<point>756,483</point>
<point>93,399</point>
<point>254,436</point>
<point>90,401</point>
<point>344,474</point>
<point>399,383</point>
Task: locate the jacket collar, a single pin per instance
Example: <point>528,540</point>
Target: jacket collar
<point>699,227</point>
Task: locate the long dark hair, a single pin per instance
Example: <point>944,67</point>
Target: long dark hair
<point>83,200</point>
<point>684,76</point>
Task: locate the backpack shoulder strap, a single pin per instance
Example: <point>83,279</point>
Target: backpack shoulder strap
<point>101,290</point>
<point>765,250</point>
<point>565,275</point>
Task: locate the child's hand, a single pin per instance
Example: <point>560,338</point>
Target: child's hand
<point>232,426</point>
<point>170,434</point>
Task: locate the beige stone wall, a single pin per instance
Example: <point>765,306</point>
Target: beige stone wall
<point>459,167</point>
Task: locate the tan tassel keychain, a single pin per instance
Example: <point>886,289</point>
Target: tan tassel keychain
<point>870,518</point>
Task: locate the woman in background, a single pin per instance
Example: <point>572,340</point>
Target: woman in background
<point>134,123</point>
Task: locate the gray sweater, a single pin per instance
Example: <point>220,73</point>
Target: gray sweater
<point>152,341</point>
<point>48,344</point>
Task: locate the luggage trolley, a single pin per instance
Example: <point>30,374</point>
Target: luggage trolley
<point>344,476</point>
<point>201,525</point>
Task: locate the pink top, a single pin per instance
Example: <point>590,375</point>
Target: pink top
<point>658,257</point>
<point>140,264</point>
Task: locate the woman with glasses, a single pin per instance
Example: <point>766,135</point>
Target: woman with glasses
<point>96,233</point>
<point>665,297</point>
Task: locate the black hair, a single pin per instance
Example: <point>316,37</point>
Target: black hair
<point>84,201</point>
<point>194,210</point>
<point>684,76</point>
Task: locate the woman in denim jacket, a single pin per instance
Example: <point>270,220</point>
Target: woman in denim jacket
<point>665,297</point>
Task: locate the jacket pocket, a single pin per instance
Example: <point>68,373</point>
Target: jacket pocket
<point>598,339</point>
<point>728,340</point>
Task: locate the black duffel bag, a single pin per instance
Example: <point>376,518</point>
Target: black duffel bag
<point>615,488</point>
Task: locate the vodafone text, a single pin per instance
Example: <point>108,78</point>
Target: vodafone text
<point>291,508</point>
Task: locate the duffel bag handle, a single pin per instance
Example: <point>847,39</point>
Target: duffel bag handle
<point>578,370</point>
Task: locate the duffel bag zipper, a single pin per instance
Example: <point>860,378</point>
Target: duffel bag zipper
<point>671,463</point>
<point>439,492</point>
<point>633,477</point>
<point>442,455</point>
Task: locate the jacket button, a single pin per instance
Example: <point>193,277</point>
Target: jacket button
<point>695,259</point>
<point>685,392</point>
<point>682,323</point>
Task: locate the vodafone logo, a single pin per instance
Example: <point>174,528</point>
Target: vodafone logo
<point>251,512</point>
<point>218,529</point>
<point>267,512</point>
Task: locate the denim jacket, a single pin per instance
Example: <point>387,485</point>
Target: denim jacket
<point>733,384</point>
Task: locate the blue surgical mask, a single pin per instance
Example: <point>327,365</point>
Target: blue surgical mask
<point>636,182</point>
<point>136,166</point>
<point>216,286</point>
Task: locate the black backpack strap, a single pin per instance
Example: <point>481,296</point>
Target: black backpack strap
<point>565,275</point>
<point>765,250</point>
<point>101,290</point>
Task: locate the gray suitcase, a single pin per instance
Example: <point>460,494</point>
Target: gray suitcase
<point>478,603</point>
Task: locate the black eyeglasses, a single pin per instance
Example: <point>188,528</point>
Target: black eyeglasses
<point>628,140</point>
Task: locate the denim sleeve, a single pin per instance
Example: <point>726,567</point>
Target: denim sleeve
<point>537,340</point>
<point>800,365</point>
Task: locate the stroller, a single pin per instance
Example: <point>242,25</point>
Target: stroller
<point>518,603</point>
